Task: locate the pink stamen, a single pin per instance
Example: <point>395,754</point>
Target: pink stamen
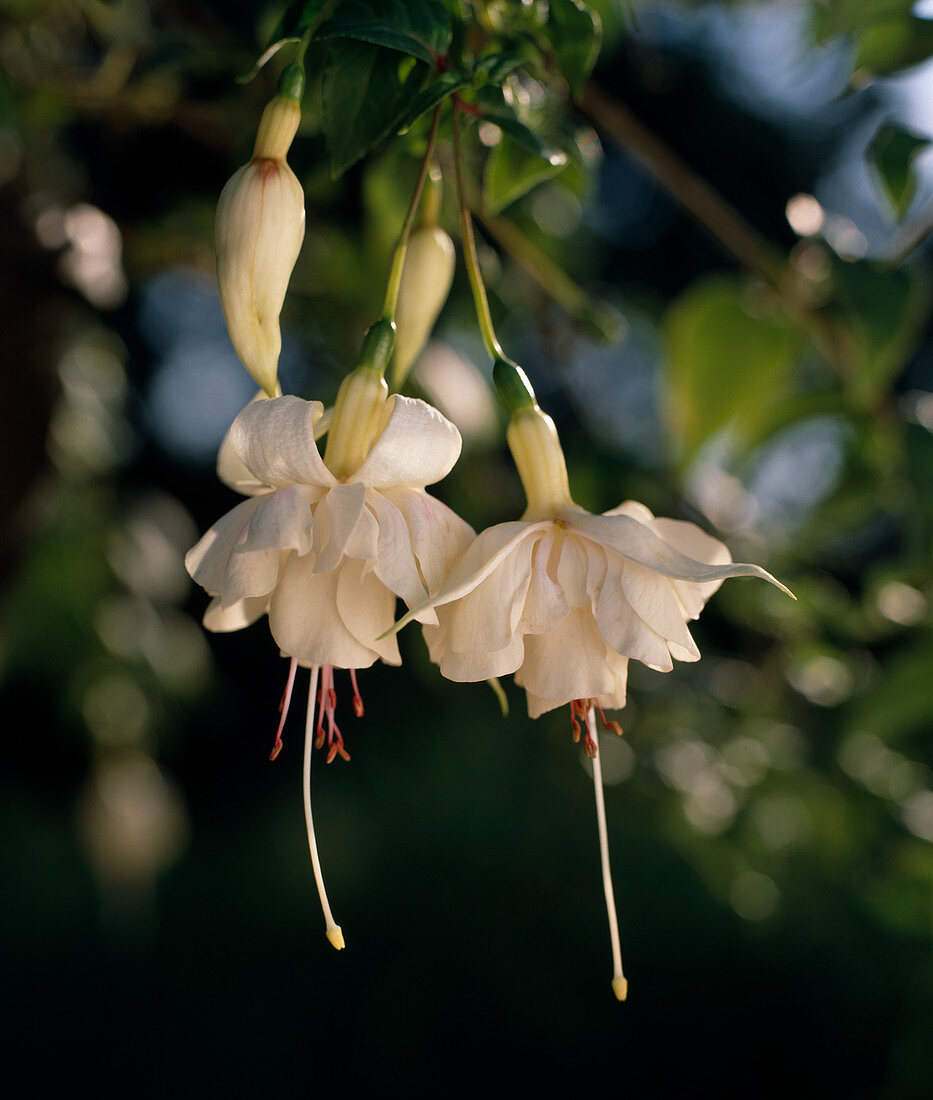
<point>357,698</point>
<point>283,707</point>
<point>327,704</point>
<point>579,711</point>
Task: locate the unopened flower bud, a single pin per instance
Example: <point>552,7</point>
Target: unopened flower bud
<point>426,280</point>
<point>258,231</point>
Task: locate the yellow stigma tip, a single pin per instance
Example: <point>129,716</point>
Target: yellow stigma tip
<point>335,936</point>
<point>620,988</point>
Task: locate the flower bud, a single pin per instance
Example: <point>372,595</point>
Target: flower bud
<point>258,231</point>
<point>426,280</point>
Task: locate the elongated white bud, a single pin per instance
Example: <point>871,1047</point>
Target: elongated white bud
<point>258,231</point>
<point>426,280</point>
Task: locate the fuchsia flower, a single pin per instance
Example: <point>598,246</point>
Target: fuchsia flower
<point>323,546</point>
<point>564,599</point>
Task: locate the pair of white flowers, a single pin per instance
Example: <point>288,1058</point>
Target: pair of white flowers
<point>325,544</point>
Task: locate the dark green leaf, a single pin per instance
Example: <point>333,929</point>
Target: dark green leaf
<point>892,153</point>
<point>728,364</point>
<point>367,90</point>
<point>427,99</point>
<point>299,16</point>
<point>495,67</point>
<point>575,33</point>
<point>883,311</point>
<point>417,27</point>
<point>511,171</point>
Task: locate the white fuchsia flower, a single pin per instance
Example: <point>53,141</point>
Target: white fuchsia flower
<point>324,545</point>
<point>258,231</point>
<point>564,599</point>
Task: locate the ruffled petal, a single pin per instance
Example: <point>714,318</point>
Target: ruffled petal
<point>305,621</point>
<point>367,609</point>
<point>696,543</point>
<point>438,535</point>
<point>485,620</point>
<point>626,632</point>
<point>275,441</point>
<point>638,543</point>
<point>418,447</point>
<point>566,663</point>
<point>545,602</point>
<point>395,560</point>
<point>248,575</point>
<point>222,620</point>
<point>206,561</point>
<point>467,668</point>
<point>342,505</point>
<point>281,522</point>
<point>653,601</point>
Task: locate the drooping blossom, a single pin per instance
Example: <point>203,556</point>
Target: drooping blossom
<point>258,231</point>
<point>564,599</point>
<point>325,545</point>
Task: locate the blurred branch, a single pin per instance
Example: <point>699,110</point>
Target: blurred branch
<point>720,219</point>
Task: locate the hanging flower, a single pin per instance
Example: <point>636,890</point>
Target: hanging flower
<point>258,232</point>
<point>564,599</point>
<point>324,545</point>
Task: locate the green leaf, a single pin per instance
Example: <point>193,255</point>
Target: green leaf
<point>511,171</point>
<point>884,311</point>
<point>899,44</point>
<point>298,17</point>
<point>367,90</point>
<point>420,28</point>
<point>892,153</point>
<point>427,99</point>
<point>728,364</point>
<point>494,68</point>
<point>575,34</point>
<point>850,16</point>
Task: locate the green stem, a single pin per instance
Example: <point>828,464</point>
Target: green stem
<point>483,316</point>
<point>398,257</point>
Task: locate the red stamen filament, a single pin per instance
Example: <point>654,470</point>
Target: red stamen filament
<point>283,708</point>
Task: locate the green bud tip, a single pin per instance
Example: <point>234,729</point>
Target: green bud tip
<point>512,384</point>
<point>292,82</point>
<point>376,349</point>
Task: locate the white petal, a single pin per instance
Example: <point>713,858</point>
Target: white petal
<point>343,505</point>
<point>305,622</point>
<point>281,522</point>
<point>395,560</point>
<point>625,631</point>
<point>367,609</point>
<point>438,535</point>
<point>418,447</point>
<point>691,540</point>
<point>567,662</point>
<point>206,561</point>
<point>485,620</point>
<point>222,620</point>
<point>470,667</point>
<point>573,567</point>
<point>250,575</point>
<point>654,602</point>
<point>638,543</point>
<point>545,603</point>
<point>275,441</point>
